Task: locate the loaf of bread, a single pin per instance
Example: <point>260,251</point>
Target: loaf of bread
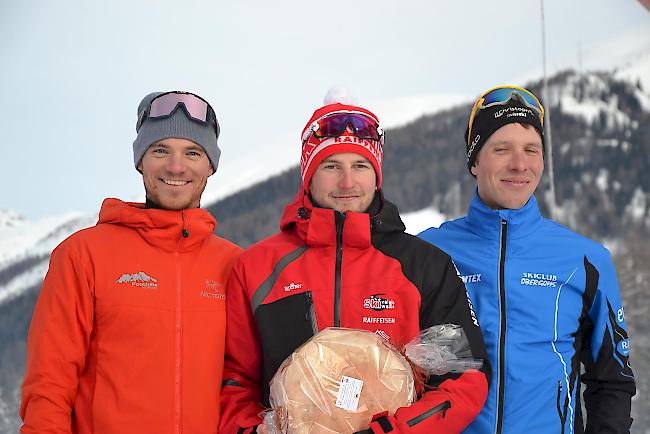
<point>337,381</point>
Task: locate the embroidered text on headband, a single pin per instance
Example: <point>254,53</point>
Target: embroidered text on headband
<point>165,105</point>
<point>501,95</point>
<point>334,125</point>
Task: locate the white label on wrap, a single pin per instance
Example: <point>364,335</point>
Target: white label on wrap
<point>349,392</point>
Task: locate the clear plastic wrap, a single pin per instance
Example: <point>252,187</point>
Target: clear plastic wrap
<point>340,378</point>
<point>441,349</point>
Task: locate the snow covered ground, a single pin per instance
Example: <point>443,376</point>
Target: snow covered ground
<point>418,221</point>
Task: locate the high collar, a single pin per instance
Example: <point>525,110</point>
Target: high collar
<point>318,226</point>
<point>486,222</point>
<point>165,229</point>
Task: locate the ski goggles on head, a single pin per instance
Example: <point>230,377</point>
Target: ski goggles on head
<point>335,124</point>
<point>501,96</point>
<point>165,105</point>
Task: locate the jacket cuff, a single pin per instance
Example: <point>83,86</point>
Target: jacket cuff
<point>381,423</point>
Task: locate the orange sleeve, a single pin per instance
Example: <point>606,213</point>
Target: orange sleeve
<point>58,341</point>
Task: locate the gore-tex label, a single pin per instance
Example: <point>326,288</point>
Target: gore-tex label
<point>349,392</point>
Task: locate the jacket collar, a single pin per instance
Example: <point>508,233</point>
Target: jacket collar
<point>317,226</point>
<point>161,228</point>
<point>486,222</point>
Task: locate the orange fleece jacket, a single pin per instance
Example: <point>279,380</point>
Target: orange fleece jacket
<point>128,331</point>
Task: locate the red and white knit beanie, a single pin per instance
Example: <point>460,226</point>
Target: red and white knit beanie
<point>315,150</point>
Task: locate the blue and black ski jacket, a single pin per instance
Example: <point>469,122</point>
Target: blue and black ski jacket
<point>548,301</point>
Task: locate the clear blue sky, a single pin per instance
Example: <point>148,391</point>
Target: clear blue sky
<point>74,71</point>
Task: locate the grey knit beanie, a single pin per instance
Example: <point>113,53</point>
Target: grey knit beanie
<point>179,125</point>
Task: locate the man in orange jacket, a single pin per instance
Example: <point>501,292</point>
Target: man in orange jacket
<point>128,331</point>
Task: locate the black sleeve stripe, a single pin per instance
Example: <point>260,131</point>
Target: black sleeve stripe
<point>591,287</point>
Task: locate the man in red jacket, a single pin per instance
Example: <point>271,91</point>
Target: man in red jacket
<point>128,331</point>
<point>342,259</point>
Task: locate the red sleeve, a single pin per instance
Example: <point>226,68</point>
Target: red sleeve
<point>241,388</point>
<point>58,341</point>
<point>446,410</point>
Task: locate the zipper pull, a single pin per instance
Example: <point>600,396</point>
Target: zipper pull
<point>310,301</point>
<point>184,232</point>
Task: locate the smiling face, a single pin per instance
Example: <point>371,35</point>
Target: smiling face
<point>175,173</point>
<point>509,167</point>
<point>344,182</point>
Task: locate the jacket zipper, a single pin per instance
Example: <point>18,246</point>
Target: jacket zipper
<point>311,313</point>
<point>427,414</point>
<point>178,325</point>
<point>502,327</point>
<point>339,219</point>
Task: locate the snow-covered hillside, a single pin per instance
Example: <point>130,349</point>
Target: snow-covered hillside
<point>636,69</point>
<point>21,239</point>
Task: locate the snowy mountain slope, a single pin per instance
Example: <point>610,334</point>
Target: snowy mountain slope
<point>9,218</point>
<point>22,240</point>
<point>636,68</point>
<point>588,96</point>
<point>17,234</point>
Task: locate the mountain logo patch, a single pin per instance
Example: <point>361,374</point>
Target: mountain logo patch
<point>140,279</point>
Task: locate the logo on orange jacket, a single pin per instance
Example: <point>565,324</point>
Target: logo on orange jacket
<point>141,279</point>
<point>213,289</point>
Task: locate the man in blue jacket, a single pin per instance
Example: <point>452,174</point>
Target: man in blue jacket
<point>547,298</point>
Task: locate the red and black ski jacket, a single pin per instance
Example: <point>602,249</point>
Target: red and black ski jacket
<point>355,270</point>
